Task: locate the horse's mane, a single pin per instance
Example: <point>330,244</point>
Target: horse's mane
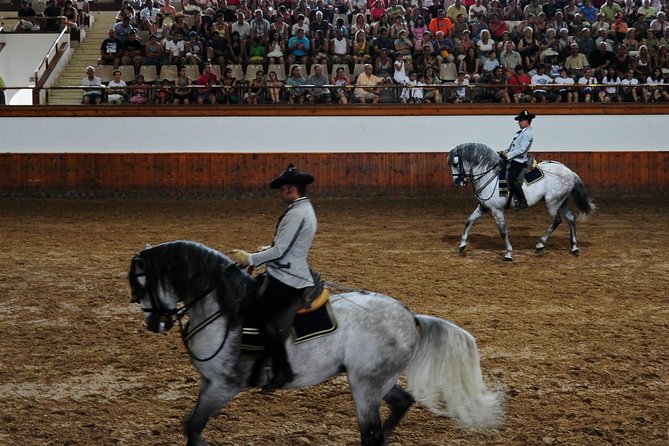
<point>476,154</point>
<point>193,269</point>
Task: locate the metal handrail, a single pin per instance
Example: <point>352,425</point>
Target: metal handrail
<point>45,60</point>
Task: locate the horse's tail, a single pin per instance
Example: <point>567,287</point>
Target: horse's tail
<point>582,198</point>
<point>445,368</point>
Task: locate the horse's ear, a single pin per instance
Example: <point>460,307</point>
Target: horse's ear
<point>147,246</point>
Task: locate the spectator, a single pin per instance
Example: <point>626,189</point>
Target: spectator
<point>111,50</point>
<point>123,29</point>
<point>621,60</point>
<point>367,87</point>
<point>276,49</point>
<point>497,27</point>
<point>361,25</point>
<point>459,27</point>
<point>295,82</point>
<point>541,78</point>
<point>242,27</point>
<point>459,94</point>
<point>175,50</point>
<point>163,94</point>
<point>320,24</point>
<point>565,94</point>
<point>647,11</point>
<point>407,93</point>
<point>619,27</point>
<point>71,16</point>
<point>183,88</point>
<point>471,65</point>
<point>655,91</point>
<point>499,83</point>
<point>206,93</point>
<point>394,11</point>
<point>397,26</point>
<point>527,42</point>
<point>383,65</point>
<point>51,13</point>
<point>456,9</point>
<point>629,87</point>
<point>260,27</point>
<point>340,49</point>
<point>642,63</point>
<point>318,93</point>
<point>217,49</point>
<point>133,51</point>
<point>512,11</point>
<point>340,80</point>
<point>586,92</point>
<point>519,84</point>
<point>432,86</point>
<point>167,10</point>
<point>610,9</point>
<point>139,93</point>
<point>441,23</point>
<point>588,11</point>
<point>257,52</point>
<point>298,48</point>
<point>417,31</point>
<point>27,16</point>
<point>510,58</point>
<point>661,60</point>
<point>236,50</point>
<point>660,25</point>
<point>92,95</point>
<point>154,52</point>
<point>227,94</point>
<point>444,48</point>
<point>196,51</point>
<point>382,42</point>
<point>586,44</point>
<point>361,50</point>
<point>602,58</point>
<point>180,26</point>
<point>610,92</point>
<point>300,25</point>
<point>320,47</point>
<point>477,10</point>
<point>399,70</point>
<point>274,86</point>
<point>280,26</point>
<point>485,45</point>
<point>576,62</point>
<point>148,15</point>
<point>116,89</point>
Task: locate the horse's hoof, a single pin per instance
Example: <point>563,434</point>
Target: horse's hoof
<point>462,249</point>
<point>507,258</point>
<point>575,252</point>
<point>539,248</point>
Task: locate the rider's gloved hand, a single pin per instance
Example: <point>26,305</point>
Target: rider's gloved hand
<point>240,257</point>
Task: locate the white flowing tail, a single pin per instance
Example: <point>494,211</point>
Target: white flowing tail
<point>446,368</point>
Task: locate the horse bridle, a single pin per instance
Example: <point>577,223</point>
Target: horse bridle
<point>169,315</point>
<point>464,177</point>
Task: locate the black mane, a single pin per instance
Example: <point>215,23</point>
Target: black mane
<point>192,270</point>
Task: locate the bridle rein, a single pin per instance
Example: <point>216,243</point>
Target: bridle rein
<point>167,316</point>
<point>462,177</point>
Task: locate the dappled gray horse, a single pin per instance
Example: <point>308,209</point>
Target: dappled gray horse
<point>480,165</point>
<point>377,340</point>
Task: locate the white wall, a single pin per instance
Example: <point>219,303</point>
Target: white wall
<point>327,133</point>
<point>21,55</point>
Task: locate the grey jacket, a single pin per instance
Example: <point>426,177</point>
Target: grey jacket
<point>520,145</point>
<point>287,258</point>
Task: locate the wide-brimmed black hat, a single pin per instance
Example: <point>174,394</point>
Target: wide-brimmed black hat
<point>525,116</point>
<point>292,175</point>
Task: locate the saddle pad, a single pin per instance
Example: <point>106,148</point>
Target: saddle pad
<point>534,175</point>
<point>307,326</point>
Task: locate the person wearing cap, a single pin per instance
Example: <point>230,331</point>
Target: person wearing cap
<point>516,156</point>
<point>576,62</point>
<point>441,23</point>
<point>260,27</point>
<point>288,272</point>
<point>27,15</point>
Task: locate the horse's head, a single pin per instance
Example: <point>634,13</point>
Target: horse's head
<point>457,167</point>
<point>154,295</point>
<point>187,272</point>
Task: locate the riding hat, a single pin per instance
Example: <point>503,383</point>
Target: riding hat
<point>525,116</point>
<point>292,175</point>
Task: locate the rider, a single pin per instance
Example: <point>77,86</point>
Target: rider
<point>288,272</point>
<point>517,155</point>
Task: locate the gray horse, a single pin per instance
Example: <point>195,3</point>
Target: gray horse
<point>377,340</point>
<point>480,165</point>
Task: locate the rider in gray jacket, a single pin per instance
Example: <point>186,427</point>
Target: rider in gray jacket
<point>288,272</point>
<point>517,155</point>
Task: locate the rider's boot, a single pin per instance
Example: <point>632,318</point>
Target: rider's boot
<point>282,373</point>
<point>521,202</point>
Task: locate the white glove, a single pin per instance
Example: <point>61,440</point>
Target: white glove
<point>240,257</point>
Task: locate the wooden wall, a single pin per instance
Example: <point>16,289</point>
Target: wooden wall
<point>338,174</point>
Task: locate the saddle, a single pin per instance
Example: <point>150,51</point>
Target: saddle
<point>528,174</point>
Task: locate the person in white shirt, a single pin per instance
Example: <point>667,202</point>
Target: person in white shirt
<point>116,91</point>
<point>92,95</point>
<point>610,92</point>
<point>175,50</point>
<point>565,94</point>
<point>541,78</point>
<point>629,90</point>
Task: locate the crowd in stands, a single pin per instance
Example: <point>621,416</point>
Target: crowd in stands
<point>370,51</point>
<point>52,15</point>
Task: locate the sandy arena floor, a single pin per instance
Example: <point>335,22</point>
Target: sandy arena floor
<point>581,343</point>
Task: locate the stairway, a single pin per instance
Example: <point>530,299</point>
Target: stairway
<point>87,53</point>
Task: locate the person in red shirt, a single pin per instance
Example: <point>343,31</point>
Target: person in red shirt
<point>441,23</point>
<point>206,93</point>
<point>519,85</point>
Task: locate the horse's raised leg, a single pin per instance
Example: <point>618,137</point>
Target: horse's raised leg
<point>498,215</point>
<point>468,225</point>
<point>554,213</point>
<point>399,401</point>
<point>367,401</point>
<point>571,221</point>
<point>213,396</point>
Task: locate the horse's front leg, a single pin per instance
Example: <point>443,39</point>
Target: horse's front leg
<point>468,225</point>
<point>498,215</point>
<point>214,394</point>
